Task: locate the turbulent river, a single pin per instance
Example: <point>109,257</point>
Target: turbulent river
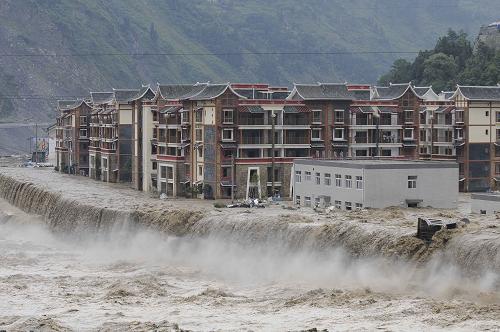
<point>142,281</point>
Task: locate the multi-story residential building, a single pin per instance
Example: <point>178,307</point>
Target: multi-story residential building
<point>478,136</point>
<point>116,137</point>
<point>356,184</point>
<point>225,140</point>
<point>102,131</point>
<point>437,137</point>
<point>72,142</point>
<point>129,104</point>
<point>401,118</point>
<point>329,117</point>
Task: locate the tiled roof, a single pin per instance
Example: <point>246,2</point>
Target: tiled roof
<point>361,94</point>
<point>393,91</point>
<point>69,104</point>
<point>125,95</point>
<point>101,97</point>
<point>480,92</point>
<point>324,91</point>
<point>421,90</point>
<point>180,91</point>
<point>211,91</point>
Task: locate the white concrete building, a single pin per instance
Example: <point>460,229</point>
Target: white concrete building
<point>355,184</point>
<point>485,203</point>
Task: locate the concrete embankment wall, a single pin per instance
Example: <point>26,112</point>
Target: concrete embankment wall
<point>357,239</point>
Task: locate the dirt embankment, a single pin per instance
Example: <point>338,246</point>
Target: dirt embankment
<point>81,206</point>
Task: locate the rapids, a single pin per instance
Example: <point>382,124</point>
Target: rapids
<point>68,264</point>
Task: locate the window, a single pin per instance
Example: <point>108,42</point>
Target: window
<point>307,201</point>
<point>338,204</point>
<point>498,116</point>
<point>227,134</point>
<point>412,181</point>
<point>200,152</point>
<point>199,135</point>
<point>308,176</point>
<point>408,133</point>
<point>423,136</point>
<point>297,200</point>
<point>328,179</point>
<point>317,201</point>
<point>83,132</point>
<point>318,178</point>
<point>338,134</point>
<point>105,162</point>
<point>348,206</point>
<point>316,134</point>
<point>327,200</point>
<point>348,181</point>
<point>316,116</point>
<point>83,120</point>
<point>497,168</point>
<point>487,113</point>
<point>227,116</point>
<point>460,133</point>
<point>338,180</point>
<point>199,115</point>
<point>409,116</point>
<point>359,182</point>
<point>339,116</point>
<point>298,176</point>
<point>200,171</point>
<point>448,151</point>
<point>486,132</point>
<point>358,206</point>
<point>498,134</point>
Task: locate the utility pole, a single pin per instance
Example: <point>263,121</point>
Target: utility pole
<point>273,118</point>
<point>376,117</point>
<point>432,133</point>
<point>36,142</point>
<point>233,170</point>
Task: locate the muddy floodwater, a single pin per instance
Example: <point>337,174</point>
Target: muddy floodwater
<point>145,281</point>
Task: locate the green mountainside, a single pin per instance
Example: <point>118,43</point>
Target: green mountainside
<point>454,60</point>
<point>210,26</point>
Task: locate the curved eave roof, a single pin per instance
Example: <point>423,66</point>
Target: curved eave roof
<point>179,91</point>
<point>322,91</point>
<point>213,91</point>
<point>478,93</point>
<point>99,98</point>
<point>67,105</point>
<point>393,91</point>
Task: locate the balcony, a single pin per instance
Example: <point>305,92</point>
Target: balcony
<point>297,140</point>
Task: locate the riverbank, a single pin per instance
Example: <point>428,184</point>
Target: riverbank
<point>102,257</point>
<point>78,205</point>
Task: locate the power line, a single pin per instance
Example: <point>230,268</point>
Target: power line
<point>19,55</point>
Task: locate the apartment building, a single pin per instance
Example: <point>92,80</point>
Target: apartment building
<point>440,126</point>
<point>72,141</point>
<point>115,149</point>
<point>240,140</point>
<point>478,151</point>
<point>357,184</point>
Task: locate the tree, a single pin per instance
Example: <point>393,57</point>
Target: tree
<point>440,71</point>
<point>400,73</point>
<point>456,45</point>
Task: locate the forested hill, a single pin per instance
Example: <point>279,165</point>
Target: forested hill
<point>225,27</point>
<point>454,60</point>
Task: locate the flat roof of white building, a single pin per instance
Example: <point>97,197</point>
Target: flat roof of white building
<point>487,196</point>
<point>378,163</point>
